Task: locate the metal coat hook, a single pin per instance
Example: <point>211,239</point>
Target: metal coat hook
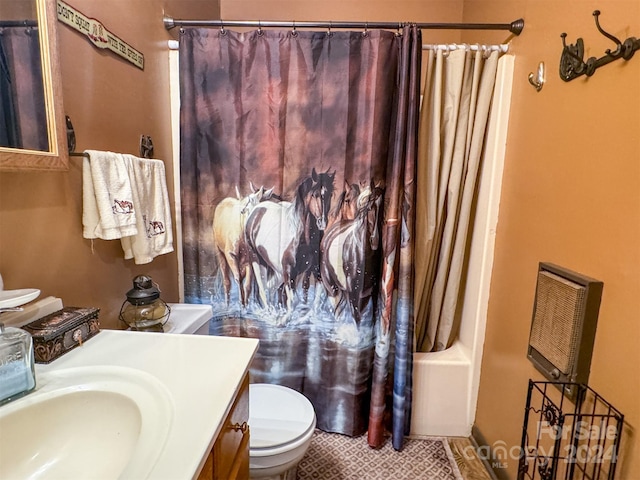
<point>537,79</point>
<point>572,64</point>
<point>618,51</point>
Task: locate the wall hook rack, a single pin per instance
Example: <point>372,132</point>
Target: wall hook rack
<point>572,63</point>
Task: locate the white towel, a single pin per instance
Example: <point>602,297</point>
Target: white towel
<point>153,214</point>
<point>108,211</point>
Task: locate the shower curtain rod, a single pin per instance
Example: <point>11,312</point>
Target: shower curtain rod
<point>514,27</point>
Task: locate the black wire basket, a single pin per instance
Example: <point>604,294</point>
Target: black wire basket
<point>562,439</point>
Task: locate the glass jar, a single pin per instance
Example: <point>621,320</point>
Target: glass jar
<point>17,370</point>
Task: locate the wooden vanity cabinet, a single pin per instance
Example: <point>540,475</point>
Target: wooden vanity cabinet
<point>229,457</point>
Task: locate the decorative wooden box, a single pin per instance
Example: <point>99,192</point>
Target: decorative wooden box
<point>57,333</point>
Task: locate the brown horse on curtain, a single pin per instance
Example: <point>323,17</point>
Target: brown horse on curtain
<point>282,236</point>
<point>350,256</point>
<point>346,207</point>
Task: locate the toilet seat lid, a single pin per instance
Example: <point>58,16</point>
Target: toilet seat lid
<point>277,415</point>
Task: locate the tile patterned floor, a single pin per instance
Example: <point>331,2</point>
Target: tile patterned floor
<point>337,457</point>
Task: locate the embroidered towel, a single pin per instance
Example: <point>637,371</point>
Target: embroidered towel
<point>107,198</point>
<point>153,214</point>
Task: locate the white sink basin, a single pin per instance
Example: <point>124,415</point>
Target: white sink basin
<point>86,422</point>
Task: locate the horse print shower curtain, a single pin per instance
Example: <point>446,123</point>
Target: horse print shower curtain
<point>298,153</point>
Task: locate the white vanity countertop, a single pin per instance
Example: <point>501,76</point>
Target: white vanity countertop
<point>203,374</point>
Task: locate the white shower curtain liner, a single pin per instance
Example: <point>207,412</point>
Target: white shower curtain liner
<point>458,88</point>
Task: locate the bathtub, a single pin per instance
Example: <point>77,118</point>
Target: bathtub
<point>441,393</point>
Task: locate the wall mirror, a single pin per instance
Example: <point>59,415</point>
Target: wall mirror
<point>32,128</point>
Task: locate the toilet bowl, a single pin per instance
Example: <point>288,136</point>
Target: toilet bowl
<point>281,424</point>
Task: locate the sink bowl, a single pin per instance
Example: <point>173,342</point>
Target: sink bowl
<point>86,422</point>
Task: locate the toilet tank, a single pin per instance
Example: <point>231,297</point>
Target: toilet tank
<point>189,318</point>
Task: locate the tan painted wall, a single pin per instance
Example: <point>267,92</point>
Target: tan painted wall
<point>111,103</point>
<point>18,10</point>
<point>355,10</point>
<point>571,195</point>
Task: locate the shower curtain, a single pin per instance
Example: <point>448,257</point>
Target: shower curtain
<point>457,95</point>
<point>298,155</point>
<point>23,122</point>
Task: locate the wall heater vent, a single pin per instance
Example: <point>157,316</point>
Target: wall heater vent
<point>563,328</point>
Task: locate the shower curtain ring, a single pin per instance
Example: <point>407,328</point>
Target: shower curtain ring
<point>294,33</point>
<point>366,29</point>
<point>329,32</point>
<point>222,30</point>
<point>260,32</point>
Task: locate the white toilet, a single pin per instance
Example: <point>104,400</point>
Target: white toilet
<point>281,420</point>
<point>281,424</point>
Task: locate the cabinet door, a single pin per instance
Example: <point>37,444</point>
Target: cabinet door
<point>231,449</point>
<point>229,457</point>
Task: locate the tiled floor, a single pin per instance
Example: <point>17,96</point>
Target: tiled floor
<point>337,457</point>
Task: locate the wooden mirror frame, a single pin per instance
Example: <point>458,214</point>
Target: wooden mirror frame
<point>57,158</point>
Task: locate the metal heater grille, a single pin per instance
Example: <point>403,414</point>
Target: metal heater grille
<point>556,322</point>
<point>563,327</point>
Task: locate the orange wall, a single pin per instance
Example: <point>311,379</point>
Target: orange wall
<point>111,103</point>
<point>571,196</point>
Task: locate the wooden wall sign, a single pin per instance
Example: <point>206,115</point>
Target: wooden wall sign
<point>98,34</point>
